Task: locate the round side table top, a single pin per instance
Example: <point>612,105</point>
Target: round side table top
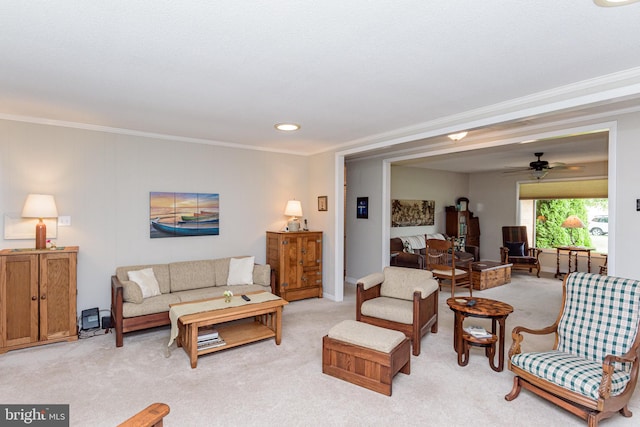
<point>483,307</point>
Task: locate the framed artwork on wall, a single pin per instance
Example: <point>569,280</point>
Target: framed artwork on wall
<point>183,214</point>
<point>362,207</point>
<point>322,203</point>
<point>412,213</point>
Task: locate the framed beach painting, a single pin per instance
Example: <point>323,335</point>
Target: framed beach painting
<point>183,214</point>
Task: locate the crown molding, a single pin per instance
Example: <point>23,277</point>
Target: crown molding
<point>579,94</point>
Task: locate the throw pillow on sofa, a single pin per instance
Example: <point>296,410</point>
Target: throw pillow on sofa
<point>147,282</point>
<point>240,271</point>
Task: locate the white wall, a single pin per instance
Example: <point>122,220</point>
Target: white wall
<point>427,184</point>
<point>363,245</point>
<point>321,183</point>
<point>365,179</point>
<point>626,219</point>
<point>103,180</point>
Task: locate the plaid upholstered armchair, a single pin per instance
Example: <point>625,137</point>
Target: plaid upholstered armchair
<point>593,368</point>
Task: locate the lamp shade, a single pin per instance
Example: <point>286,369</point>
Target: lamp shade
<point>39,206</point>
<point>573,221</point>
<point>294,208</point>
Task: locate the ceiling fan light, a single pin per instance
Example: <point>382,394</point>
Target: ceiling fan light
<point>539,174</point>
<point>610,3</point>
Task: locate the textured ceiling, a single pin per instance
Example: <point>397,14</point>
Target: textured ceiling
<point>223,71</point>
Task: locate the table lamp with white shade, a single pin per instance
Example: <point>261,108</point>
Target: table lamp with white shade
<point>294,210</point>
<point>40,206</point>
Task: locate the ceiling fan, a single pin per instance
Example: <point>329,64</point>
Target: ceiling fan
<point>540,168</point>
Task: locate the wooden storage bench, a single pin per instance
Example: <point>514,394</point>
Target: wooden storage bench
<point>365,355</point>
<point>488,274</point>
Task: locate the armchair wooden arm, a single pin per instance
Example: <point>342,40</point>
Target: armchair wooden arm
<point>517,337</point>
<point>363,295</point>
<point>632,357</point>
<point>504,254</point>
<point>151,416</point>
<point>535,252</point>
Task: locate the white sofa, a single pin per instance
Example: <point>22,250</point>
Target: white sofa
<point>132,310</point>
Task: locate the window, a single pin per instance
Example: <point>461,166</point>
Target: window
<point>544,206</point>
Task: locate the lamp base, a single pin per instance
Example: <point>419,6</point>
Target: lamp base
<point>41,235</point>
<point>294,225</point>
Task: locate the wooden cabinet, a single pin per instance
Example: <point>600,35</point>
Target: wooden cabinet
<point>463,224</point>
<point>296,258</point>
<point>37,297</point>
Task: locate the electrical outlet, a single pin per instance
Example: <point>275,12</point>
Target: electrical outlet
<point>64,221</point>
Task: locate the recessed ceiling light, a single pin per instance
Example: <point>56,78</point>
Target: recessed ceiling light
<point>287,127</point>
<point>457,136</point>
<point>609,3</point>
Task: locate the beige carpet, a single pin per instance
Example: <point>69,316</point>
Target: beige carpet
<point>262,384</point>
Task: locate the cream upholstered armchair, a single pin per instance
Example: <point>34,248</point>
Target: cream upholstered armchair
<point>593,368</point>
<point>403,299</point>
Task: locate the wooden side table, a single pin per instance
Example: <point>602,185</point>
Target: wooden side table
<point>572,251</point>
<point>486,308</point>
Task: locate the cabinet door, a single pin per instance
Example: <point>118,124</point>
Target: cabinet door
<point>19,300</point>
<point>311,260</point>
<point>291,265</point>
<point>57,295</point>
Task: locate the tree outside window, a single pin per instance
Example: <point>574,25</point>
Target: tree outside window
<point>549,217</point>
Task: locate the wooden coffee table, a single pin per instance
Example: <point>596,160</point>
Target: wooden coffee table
<point>267,323</point>
<point>497,311</point>
<point>487,274</point>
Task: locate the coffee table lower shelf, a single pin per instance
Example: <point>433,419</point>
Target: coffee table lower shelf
<point>239,334</point>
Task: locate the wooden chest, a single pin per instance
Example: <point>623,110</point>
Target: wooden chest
<point>488,274</point>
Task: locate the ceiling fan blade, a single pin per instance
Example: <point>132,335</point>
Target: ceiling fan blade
<point>516,171</point>
<point>565,167</point>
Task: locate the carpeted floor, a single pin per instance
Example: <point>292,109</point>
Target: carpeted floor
<point>262,384</point>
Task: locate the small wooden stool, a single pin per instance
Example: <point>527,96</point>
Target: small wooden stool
<point>365,355</point>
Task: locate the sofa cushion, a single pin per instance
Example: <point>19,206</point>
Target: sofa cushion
<point>222,270</point>
<point>262,274</point>
<point>131,292</point>
<point>402,282</point>
<point>187,275</point>
<point>240,271</point>
<point>158,304</point>
<point>160,271</point>
<point>146,281</point>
